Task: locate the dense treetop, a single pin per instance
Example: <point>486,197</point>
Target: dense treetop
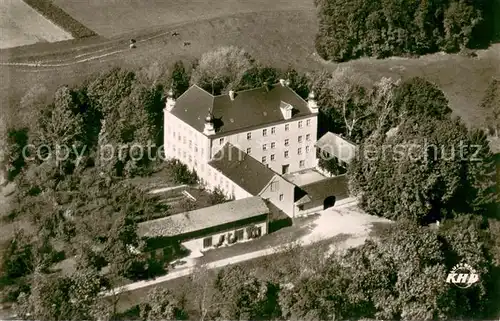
<point>382,28</point>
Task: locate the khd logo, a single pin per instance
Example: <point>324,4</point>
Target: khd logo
<point>463,276</point>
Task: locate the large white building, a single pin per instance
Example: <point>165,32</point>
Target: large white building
<point>244,142</point>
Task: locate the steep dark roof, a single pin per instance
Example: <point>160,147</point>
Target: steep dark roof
<point>203,218</point>
<point>193,106</point>
<point>250,108</point>
<point>335,186</point>
<point>242,169</point>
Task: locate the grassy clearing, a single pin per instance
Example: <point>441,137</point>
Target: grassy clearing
<point>463,79</point>
<point>109,19</point>
<point>60,18</point>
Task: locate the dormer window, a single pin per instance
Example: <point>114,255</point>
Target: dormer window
<point>286,110</point>
<point>249,136</point>
<point>264,132</point>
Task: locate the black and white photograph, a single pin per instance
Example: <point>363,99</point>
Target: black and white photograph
<point>263,160</point>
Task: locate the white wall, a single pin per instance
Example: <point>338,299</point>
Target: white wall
<point>197,244</point>
<point>186,144</point>
<point>309,127</point>
<point>282,187</point>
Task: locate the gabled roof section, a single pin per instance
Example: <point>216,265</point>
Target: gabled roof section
<point>250,108</point>
<point>334,186</point>
<point>241,168</point>
<point>337,146</point>
<point>203,218</point>
<point>193,106</point>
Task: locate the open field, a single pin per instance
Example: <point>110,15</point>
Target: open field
<point>270,37</point>
<point>22,25</point>
<point>111,17</point>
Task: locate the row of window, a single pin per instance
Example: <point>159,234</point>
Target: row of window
<point>238,236</point>
<point>285,153</point>
<point>273,158</point>
<point>287,128</point>
<point>190,143</point>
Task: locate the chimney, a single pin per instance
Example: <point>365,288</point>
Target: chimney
<point>170,103</point>
<point>282,82</point>
<point>209,126</point>
<point>231,94</point>
<point>311,102</point>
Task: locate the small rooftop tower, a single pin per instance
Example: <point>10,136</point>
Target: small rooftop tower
<point>170,103</point>
<point>231,94</point>
<point>209,126</point>
<point>311,102</point>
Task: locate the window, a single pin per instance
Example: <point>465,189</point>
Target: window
<point>190,143</point>
<point>273,130</point>
<point>300,124</point>
<point>207,242</point>
<point>273,145</point>
<point>249,136</point>
<point>239,235</point>
<point>202,152</point>
<point>264,147</point>
<point>281,197</point>
<point>274,186</point>
<point>184,154</point>
<point>173,134</point>
<point>287,127</point>
<point>190,159</point>
<point>299,151</point>
<point>307,149</point>
<point>249,151</point>
<point>209,171</point>
<point>221,140</point>
<point>264,159</point>
<point>308,137</point>
<point>174,148</point>
<point>287,142</point>
<point>308,122</point>
<point>286,154</point>
<point>195,163</point>
<point>300,139</point>
<point>272,158</point>
<point>302,164</point>
<point>196,148</point>
<point>264,132</point>
<point>184,140</point>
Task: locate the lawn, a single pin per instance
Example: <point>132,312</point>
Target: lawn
<point>109,19</point>
<point>22,25</point>
<point>280,43</point>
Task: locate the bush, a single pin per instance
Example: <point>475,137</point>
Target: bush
<point>181,173</point>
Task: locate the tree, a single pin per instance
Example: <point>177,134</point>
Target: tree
<point>383,28</point>
<point>180,79</point>
<point>491,105</point>
<point>258,77</point>
<point>18,258</point>
<point>428,166</point>
<point>419,98</point>
<point>221,69</point>
<point>161,305</point>
<point>59,129</point>
<point>217,196</point>
<point>344,92</point>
